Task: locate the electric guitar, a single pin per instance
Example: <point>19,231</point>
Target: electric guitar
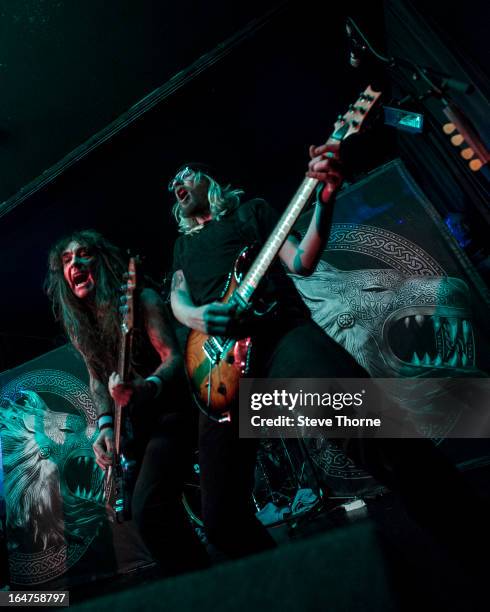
<point>215,364</point>
<point>121,475</point>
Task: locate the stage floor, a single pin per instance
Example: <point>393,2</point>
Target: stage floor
<point>375,558</point>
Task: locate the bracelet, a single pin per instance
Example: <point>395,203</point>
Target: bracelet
<point>157,381</point>
<point>105,420</point>
<point>105,426</point>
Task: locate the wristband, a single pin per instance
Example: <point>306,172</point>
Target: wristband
<point>105,420</point>
<point>157,381</point>
<point>105,426</point>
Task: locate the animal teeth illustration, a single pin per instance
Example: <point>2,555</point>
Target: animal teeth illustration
<point>436,322</point>
<point>453,362</point>
<point>453,329</point>
<point>399,309</point>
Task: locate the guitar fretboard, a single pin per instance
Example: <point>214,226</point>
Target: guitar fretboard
<point>346,125</point>
<point>274,243</point>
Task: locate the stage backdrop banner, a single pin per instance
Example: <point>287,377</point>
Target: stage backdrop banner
<point>395,289</point>
<point>57,526</point>
<point>3,544</point>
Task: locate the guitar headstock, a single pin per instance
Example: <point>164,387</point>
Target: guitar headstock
<point>353,121</point>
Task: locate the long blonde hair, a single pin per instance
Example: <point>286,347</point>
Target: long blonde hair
<point>223,199</point>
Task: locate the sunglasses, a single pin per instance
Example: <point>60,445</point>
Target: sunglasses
<point>180,177</point>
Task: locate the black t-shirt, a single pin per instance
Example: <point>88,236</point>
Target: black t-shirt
<point>207,257</point>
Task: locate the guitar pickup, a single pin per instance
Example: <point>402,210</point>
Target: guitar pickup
<point>209,352</point>
<point>216,348</point>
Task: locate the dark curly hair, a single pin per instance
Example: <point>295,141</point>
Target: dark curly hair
<point>92,327</point>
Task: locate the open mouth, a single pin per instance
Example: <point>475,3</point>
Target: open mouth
<point>433,340</point>
<point>80,278</point>
<point>181,193</point>
<point>84,479</point>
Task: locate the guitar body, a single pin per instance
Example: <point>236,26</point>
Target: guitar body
<point>216,364</point>
<point>124,472</point>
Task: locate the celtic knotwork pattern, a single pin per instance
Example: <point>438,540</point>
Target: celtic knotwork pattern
<point>57,382</point>
<point>332,461</point>
<point>394,250</point>
<point>36,568</point>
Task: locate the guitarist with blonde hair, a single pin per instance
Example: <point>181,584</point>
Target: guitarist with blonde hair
<point>285,343</point>
<point>215,226</point>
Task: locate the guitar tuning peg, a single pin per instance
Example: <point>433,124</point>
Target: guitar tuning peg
<point>340,118</point>
<point>123,309</point>
<point>123,299</point>
<point>122,288</point>
<point>126,276</point>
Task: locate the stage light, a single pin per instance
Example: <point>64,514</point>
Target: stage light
<point>475,164</point>
<point>463,134</point>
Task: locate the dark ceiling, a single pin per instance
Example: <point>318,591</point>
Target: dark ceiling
<point>68,70</point>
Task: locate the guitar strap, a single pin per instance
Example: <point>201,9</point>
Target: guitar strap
<point>249,232</point>
<point>242,218</point>
<point>247,227</point>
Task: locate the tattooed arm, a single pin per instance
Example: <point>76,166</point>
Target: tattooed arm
<point>103,445</point>
<point>302,257</point>
<point>213,318</point>
<point>163,340</point>
<point>161,335</point>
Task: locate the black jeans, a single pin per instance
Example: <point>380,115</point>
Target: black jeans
<point>227,463</point>
<point>227,466</point>
<point>165,445</point>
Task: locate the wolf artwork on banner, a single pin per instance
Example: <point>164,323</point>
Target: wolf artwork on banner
<point>56,515</point>
<point>394,288</point>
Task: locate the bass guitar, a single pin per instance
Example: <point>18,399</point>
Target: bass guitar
<point>121,475</point>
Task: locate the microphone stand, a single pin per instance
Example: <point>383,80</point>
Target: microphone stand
<point>439,84</point>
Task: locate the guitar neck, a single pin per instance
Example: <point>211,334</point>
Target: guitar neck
<point>346,125</point>
<point>274,243</point>
<point>124,359</point>
<point>123,371</point>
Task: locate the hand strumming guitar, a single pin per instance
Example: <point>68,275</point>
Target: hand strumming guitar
<point>136,391</point>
